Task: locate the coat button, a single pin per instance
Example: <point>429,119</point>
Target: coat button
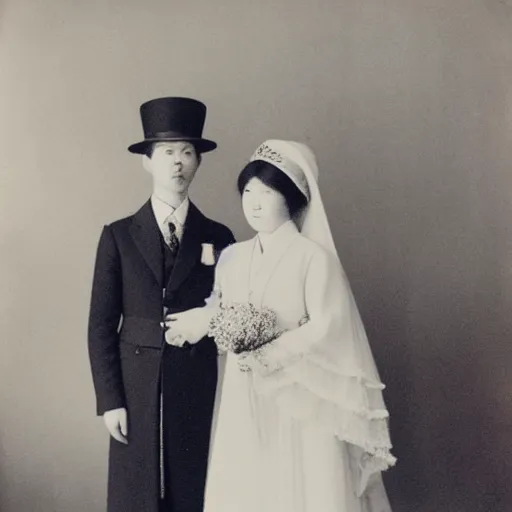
<point>137,350</point>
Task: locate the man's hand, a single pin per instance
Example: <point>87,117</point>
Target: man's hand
<point>190,326</point>
<point>116,421</point>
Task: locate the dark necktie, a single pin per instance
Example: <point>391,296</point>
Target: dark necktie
<point>171,238</point>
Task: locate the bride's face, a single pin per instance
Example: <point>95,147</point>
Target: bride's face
<point>264,207</point>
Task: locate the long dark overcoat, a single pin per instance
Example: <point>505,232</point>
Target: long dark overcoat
<point>126,349</point>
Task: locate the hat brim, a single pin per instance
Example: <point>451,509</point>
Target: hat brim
<point>202,145</point>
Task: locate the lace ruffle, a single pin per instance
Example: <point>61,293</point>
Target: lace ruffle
<point>349,406</point>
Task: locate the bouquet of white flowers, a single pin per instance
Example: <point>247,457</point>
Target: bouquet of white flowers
<point>241,327</point>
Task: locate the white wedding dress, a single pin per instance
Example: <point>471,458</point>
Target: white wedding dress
<point>279,442</point>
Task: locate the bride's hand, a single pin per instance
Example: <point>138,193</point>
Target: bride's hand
<point>189,326</point>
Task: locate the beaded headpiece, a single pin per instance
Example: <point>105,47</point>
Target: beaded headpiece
<point>267,153</point>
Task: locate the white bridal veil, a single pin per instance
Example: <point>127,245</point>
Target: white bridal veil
<point>337,383</point>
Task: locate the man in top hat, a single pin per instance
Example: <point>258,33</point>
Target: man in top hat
<point>157,399</point>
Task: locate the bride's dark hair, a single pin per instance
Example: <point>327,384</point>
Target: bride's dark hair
<point>276,179</point>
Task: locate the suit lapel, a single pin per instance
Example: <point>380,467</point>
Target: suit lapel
<point>146,235</point>
<point>190,248</point>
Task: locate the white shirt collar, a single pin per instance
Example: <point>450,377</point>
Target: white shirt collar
<point>162,210</point>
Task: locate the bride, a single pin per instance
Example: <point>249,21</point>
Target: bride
<point>301,424</point>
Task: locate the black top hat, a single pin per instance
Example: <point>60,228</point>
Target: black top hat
<point>173,119</point>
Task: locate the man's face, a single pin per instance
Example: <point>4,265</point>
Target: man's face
<point>173,166</point>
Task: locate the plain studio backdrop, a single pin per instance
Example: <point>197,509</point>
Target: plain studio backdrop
<point>408,106</point>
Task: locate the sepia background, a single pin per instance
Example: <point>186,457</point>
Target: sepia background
<point>408,106</point>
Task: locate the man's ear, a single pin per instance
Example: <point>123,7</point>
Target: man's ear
<point>199,159</point>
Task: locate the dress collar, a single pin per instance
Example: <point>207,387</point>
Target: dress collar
<point>273,241</point>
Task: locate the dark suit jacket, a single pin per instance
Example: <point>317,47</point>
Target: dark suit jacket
<point>126,340</point>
